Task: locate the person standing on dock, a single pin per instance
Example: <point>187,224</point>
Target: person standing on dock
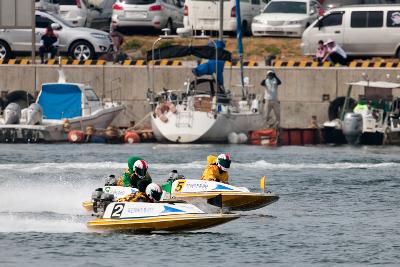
<point>271,102</point>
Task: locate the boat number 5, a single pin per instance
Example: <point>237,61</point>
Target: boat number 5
<point>180,185</point>
<point>117,210</point>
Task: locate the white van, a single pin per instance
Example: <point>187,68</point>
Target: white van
<point>204,14</point>
<point>88,13</point>
<point>362,30</point>
<point>51,6</point>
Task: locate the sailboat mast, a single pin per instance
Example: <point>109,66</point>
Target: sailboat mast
<point>221,20</point>
<point>239,36</point>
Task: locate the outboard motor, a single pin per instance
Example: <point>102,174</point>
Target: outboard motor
<point>101,200</point>
<point>111,181</point>
<point>34,114</point>
<point>12,114</point>
<point>173,176</point>
<point>352,127</point>
<point>96,195</point>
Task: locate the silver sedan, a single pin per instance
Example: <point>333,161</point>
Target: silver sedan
<point>78,43</point>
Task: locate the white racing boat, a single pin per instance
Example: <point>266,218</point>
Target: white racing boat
<point>232,197</point>
<point>148,217</point>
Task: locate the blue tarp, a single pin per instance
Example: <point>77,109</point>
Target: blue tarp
<point>209,68</point>
<point>61,101</point>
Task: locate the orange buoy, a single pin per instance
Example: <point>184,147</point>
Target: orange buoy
<point>131,137</point>
<point>76,136</point>
<point>263,137</point>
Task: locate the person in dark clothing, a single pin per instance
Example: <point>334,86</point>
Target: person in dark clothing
<point>3,101</point>
<point>49,43</point>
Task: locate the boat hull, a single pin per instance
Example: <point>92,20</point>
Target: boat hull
<point>205,126</point>
<point>53,130</point>
<point>238,201</point>
<point>175,223</point>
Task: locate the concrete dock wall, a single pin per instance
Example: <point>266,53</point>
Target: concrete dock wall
<point>304,91</point>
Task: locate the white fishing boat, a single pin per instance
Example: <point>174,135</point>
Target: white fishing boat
<point>373,121</point>
<point>60,107</point>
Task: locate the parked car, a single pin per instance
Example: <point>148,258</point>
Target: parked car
<point>78,43</point>
<point>361,30</point>
<point>48,5</point>
<point>286,18</point>
<point>329,4</point>
<point>204,14</point>
<point>87,13</point>
<point>156,14</point>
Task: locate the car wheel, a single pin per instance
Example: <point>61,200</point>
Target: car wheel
<point>5,51</point>
<point>245,28</point>
<point>170,26</point>
<point>81,50</point>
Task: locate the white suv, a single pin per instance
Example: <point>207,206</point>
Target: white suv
<point>78,43</point>
<point>83,14</point>
<point>156,14</point>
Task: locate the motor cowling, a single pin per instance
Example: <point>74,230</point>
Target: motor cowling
<point>352,127</point>
<point>111,180</point>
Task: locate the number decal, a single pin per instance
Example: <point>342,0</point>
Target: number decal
<point>180,185</point>
<point>117,210</point>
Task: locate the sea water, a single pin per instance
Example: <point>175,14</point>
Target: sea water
<point>337,206</point>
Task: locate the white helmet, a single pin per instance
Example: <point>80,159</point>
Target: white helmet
<point>141,168</point>
<point>154,191</point>
<point>224,161</point>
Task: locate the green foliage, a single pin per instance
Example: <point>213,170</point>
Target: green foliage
<point>273,50</point>
<point>132,44</point>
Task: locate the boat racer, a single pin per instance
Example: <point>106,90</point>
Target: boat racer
<point>137,175</point>
<point>217,168</point>
<point>152,194</point>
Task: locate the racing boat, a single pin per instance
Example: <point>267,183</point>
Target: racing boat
<point>232,197</point>
<point>148,217</point>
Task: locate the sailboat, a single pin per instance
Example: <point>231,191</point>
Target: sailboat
<point>204,111</point>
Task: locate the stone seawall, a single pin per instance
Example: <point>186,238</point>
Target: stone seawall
<point>304,91</point>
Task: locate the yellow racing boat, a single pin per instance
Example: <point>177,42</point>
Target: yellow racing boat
<point>149,217</point>
<point>232,197</point>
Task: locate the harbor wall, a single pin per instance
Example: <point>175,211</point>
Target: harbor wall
<point>304,91</point>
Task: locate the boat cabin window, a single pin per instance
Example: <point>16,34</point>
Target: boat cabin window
<point>91,95</point>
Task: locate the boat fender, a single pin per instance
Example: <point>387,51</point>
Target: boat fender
<point>66,126</point>
<point>76,136</point>
<point>233,138</point>
<point>131,137</point>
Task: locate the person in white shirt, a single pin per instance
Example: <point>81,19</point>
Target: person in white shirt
<point>335,53</point>
<point>271,102</point>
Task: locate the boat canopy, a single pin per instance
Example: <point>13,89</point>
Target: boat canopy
<point>175,51</point>
<point>377,84</point>
<point>60,101</point>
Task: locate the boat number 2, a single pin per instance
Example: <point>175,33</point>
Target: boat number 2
<point>180,185</point>
<point>117,210</point>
